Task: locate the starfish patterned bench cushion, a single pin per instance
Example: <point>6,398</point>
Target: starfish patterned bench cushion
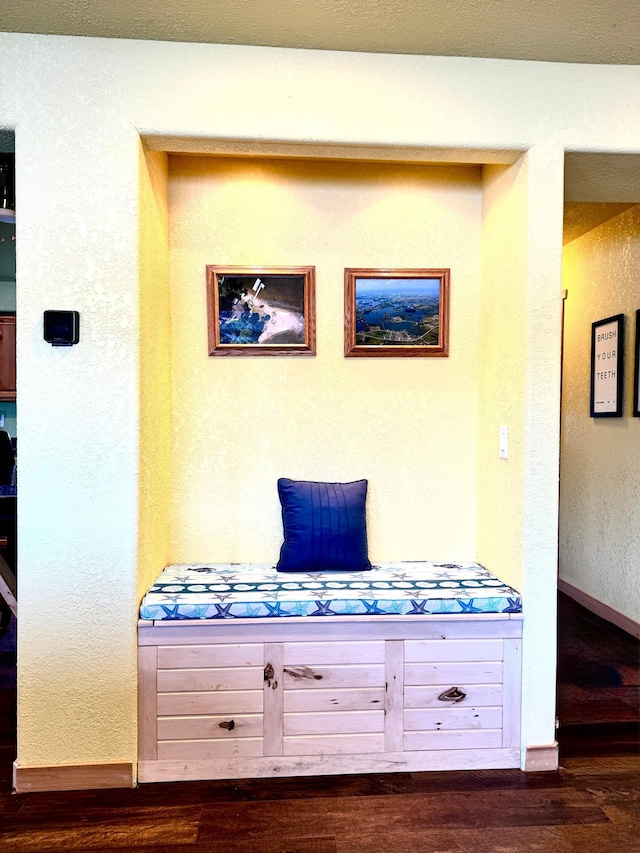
<point>255,591</point>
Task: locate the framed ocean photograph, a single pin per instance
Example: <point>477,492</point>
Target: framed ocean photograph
<point>396,312</point>
<point>261,310</point>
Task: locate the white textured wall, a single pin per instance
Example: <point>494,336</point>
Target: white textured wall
<point>519,387</point>
<point>600,495</point>
<point>78,107</point>
<point>77,248</point>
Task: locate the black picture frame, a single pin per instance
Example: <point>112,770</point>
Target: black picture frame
<point>607,367</point>
<point>636,369</point>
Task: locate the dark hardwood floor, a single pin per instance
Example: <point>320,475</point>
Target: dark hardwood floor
<point>591,804</point>
<point>598,684</point>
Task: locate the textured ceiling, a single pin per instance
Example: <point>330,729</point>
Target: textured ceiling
<point>594,31</point>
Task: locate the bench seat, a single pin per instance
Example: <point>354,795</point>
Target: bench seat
<point>244,672</point>
<point>239,591</point>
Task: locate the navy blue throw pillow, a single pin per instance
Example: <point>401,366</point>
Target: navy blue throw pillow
<point>325,528</point>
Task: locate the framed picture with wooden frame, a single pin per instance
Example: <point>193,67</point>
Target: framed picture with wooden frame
<point>636,370</point>
<point>261,311</point>
<point>607,367</point>
<point>396,312</point>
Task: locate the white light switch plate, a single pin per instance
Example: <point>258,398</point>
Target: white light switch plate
<point>504,442</point>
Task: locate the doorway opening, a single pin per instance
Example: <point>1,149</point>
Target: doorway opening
<point>599,547</point>
<point>8,449</point>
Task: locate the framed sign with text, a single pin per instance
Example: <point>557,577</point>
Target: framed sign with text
<point>607,361</point>
<point>636,370</point>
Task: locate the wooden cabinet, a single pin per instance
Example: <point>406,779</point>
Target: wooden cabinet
<point>7,356</point>
<point>282,697</point>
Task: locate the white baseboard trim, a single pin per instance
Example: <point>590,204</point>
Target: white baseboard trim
<point>538,758</point>
<point>600,609</point>
<point>72,777</point>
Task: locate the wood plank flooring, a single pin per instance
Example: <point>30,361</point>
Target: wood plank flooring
<point>590,805</point>
<point>598,684</point>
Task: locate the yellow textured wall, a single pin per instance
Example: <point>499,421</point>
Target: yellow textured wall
<point>502,370</point>
<point>407,425</point>
<point>155,384</point>
<point>600,491</point>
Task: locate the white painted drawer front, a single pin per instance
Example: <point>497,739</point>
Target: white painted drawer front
<point>361,744</point>
<point>334,722</point>
<point>233,678</point>
<point>322,677</point>
<point>220,701</point>
<point>478,695</point>
<point>452,717</point>
<point>199,657</point>
<point>474,669</point>
<point>210,701</point>
<point>227,727</point>
<point>448,674</point>
<point>342,699</point>
<point>433,651</point>
<point>205,750</point>
<point>354,652</point>
<point>333,694</point>
<point>462,739</point>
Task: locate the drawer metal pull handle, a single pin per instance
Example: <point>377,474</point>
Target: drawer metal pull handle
<point>229,726</point>
<point>453,694</point>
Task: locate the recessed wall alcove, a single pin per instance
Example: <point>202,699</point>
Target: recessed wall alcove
<point>411,426</point>
<point>217,433</point>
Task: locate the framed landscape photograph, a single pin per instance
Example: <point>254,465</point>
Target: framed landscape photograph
<point>396,312</point>
<point>607,362</point>
<point>261,310</point>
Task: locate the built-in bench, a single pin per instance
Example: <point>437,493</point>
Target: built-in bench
<point>247,672</point>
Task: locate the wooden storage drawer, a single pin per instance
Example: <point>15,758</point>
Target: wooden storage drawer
<point>210,750</point>
<point>472,670</point>
<point>223,727</point>
<point>199,657</point>
<point>339,676</point>
<point>452,674</point>
<point>452,717</point>
<point>210,701</point>
<point>325,709</point>
<point>450,651</point>
<point>233,678</point>
<point>353,653</point>
<point>328,745</point>
<point>341,699</point>
<point>287,697</point>
<point>7,357</point>
<point>427,696</point>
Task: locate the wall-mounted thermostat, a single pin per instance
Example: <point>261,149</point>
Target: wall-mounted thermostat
<point>61,328</point>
